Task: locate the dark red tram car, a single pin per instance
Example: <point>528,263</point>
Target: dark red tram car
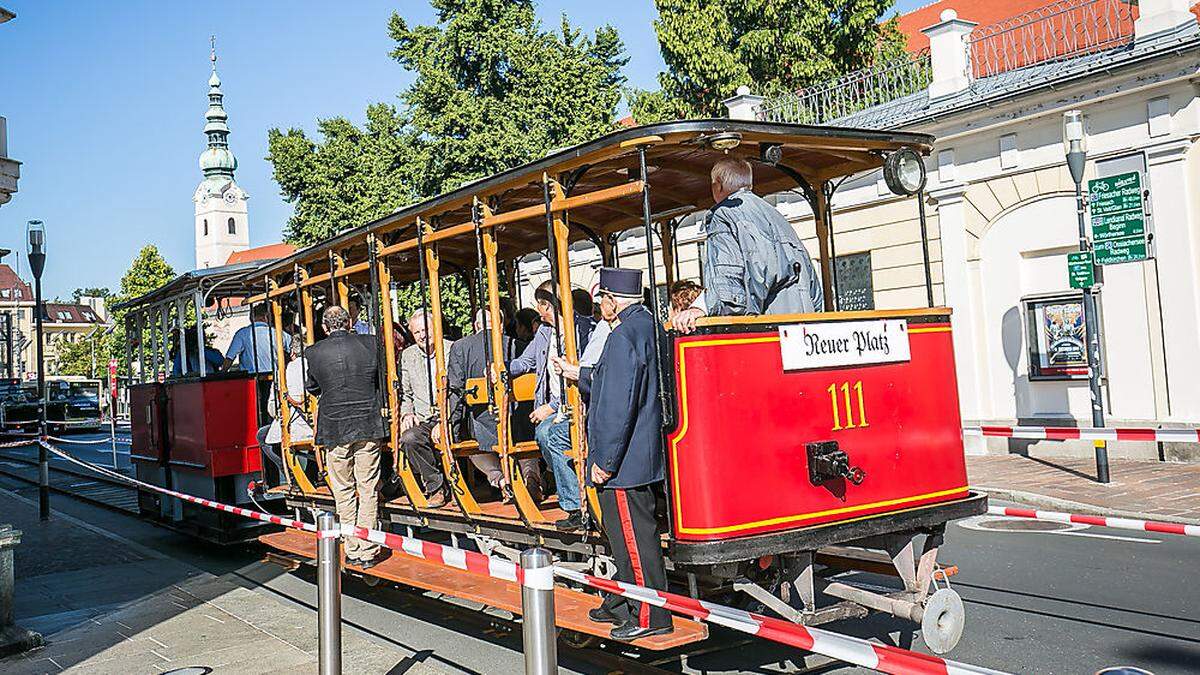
<point>193,429</point>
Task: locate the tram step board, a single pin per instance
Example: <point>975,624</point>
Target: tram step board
<point>570,606</point>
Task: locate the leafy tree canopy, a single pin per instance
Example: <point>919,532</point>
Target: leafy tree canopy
<point>148,271</point>
<point>711,47</point>
<point>493,89</point>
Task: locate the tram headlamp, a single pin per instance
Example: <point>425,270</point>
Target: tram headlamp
<point>904,172</point>
<point>724,141</point>
<point>771,153</point>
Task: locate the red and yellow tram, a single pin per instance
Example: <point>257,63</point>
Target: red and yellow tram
<point>798,446</point>
<point>192,428</point>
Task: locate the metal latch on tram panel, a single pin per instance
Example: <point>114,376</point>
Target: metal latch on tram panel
<point>827,462</point>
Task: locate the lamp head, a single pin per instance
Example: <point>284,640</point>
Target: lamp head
<point>1074,134</point>
<point>36,235</point>
<point>904,172</point>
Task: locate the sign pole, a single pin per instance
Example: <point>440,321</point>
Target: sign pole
<point>1075,161</point>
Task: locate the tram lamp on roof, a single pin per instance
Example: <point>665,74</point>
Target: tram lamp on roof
<point>904,172</point>
<point>771,153</point>
<point>724,141</point>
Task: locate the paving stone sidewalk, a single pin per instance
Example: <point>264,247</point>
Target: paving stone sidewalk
<point>1148,490</point>
<point>106,605</point>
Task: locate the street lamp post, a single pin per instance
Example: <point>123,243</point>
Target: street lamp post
<point>37,263</point>
<point>1075,145</point>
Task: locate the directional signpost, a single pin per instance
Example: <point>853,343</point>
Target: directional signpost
<point>1080,269</point>
<point>1118,219</point>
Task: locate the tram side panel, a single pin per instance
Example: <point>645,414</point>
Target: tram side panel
<point>740,459</point>
<point>214,451</point>
<point>147,450</point>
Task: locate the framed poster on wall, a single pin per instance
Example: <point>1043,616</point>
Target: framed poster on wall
<point>1056,338</point>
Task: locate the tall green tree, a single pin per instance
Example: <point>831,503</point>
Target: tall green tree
<point>146,272</point>
<point>493,89</point>
<point>711,47</point>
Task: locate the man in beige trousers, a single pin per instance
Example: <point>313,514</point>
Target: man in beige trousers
<point>343,370</point>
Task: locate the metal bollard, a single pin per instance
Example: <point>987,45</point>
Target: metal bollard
<point>537,612</point>
<point>329,596</point>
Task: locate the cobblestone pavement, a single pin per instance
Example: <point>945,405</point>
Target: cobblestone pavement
<point>1139,489</point>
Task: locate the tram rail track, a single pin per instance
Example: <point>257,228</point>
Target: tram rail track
<point>88,486</point>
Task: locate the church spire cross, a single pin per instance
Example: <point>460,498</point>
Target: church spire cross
<point>212,51</point>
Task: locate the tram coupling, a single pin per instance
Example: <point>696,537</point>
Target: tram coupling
<point>826,462</point>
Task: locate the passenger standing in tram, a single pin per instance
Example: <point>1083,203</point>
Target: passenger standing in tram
<point>253,348</point>
<point>361,327</point>
<point>271,435</point>
<point>418,413</point>
<point>468,361</point>
<point>755,261</point>
<point>553,432</point>
<point>625,455</point>
<point>343,370</point>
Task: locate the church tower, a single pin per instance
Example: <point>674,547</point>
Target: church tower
<point>222,225</point>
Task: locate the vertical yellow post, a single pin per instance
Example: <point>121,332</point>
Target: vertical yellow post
<point>569,346</point>
<point>457,485</point>
<point>341,292</point>
<point>525,504</point>
<point>411,489</point>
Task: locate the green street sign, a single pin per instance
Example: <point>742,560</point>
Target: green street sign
<point>1080,269</point>
<point>1118,218</point>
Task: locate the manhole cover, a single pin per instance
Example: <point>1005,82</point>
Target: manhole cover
<point>1023,525</point>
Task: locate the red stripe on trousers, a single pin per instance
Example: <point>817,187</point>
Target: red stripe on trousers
<point>634,559</point>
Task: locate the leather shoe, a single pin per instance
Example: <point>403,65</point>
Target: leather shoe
<point>437,500</point>
<point>602,614</point>
<point>631,631</point>
<point>572,522</point>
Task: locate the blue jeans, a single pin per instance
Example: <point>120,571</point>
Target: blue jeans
<point>554,439</point>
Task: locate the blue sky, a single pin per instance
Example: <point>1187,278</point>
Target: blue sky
<point>105,104</point>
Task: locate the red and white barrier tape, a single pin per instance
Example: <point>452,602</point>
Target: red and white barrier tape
<point>860,652</point>
<point>236,510</point>
<point>884,658</point>
<point>1099,521</point>
<point>1088,433</point>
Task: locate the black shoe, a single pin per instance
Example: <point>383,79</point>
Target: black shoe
<point>574,521</point>
<point>631,631</point>
<point>379,557</point>
<point>603,614</point>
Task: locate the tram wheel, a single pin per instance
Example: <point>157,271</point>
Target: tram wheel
<point>942,623</point>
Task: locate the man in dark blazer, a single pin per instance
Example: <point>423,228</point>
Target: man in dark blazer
<point>469,360</point>
<point>625,456</point>
<point>343,371</point>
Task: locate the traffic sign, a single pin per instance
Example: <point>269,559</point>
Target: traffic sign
<point>1118,218</point>
<point>1080,269</point>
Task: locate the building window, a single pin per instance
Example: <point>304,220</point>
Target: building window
<point>232,227</point>
<point>206,227</point>
<point>1055,332</point>
<point>855,290</point>
<point>4,293</point>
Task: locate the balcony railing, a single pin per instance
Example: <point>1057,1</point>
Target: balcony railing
<point>1061,30</point>
<point>852,92</point>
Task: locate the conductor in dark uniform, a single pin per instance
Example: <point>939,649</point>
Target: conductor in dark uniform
<point>625,456</point>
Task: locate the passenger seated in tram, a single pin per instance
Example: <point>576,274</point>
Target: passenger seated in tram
<point>270,436</point>
<point>553,432</point>
<point>361,327</point>
<point>525,325</point>
<point>755,261</point>
<point>253,346</point>
<point>418,414</point>
<point>588,358</point>
<point>468,360</point>
<point>212,358</point>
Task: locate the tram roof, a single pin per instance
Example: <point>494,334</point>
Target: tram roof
<point>219,282</point>
<point>679,160</point>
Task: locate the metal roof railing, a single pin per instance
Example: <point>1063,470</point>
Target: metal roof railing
<point>852,92</point>
<point>1058,31</point>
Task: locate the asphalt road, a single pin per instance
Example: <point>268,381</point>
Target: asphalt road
<point>1068,601</point>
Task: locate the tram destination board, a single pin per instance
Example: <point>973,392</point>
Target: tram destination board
<point>1118,218</point>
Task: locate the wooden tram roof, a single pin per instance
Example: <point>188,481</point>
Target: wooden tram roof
<point>679,160</point>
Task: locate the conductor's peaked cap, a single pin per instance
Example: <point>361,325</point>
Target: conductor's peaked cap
<point>621,283</point>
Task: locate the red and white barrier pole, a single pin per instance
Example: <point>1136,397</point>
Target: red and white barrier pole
<point>1100,521</point>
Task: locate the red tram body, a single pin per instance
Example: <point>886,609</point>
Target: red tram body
<point>744,421</point>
